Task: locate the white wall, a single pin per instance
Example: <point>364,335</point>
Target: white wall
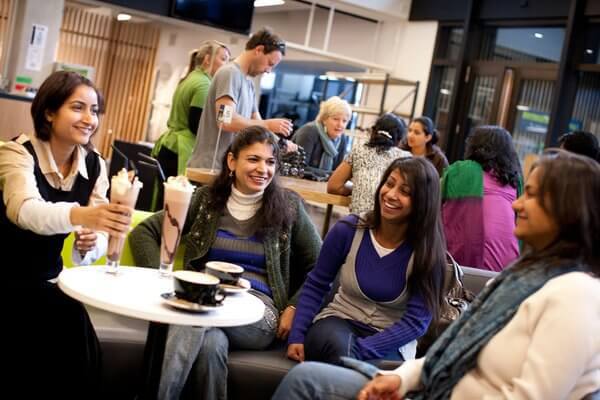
<point>350,36</point>
<point>47,13</point>
<point>413,46</point>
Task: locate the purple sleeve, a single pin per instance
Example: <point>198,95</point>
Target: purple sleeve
<point>318,282</point>
<point>411,326</point>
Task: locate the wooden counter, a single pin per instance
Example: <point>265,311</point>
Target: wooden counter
<point>15,116</point>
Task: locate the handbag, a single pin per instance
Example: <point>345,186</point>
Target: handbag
<point>457,298</point>
<point>456,301</point>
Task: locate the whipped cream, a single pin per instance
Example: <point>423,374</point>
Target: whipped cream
<point>180,183</point>
<point>121,184</point>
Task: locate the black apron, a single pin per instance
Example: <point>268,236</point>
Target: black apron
<point>51,345</point>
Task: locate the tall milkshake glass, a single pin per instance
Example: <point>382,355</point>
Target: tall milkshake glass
<point>178,192</point>
<point>124,192</point>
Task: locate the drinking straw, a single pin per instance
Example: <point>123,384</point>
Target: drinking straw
<point>156,163</point>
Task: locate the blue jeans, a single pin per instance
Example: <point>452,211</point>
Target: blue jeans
<point>203,352</point>
<point>314,381</point>
<point>330,338</point>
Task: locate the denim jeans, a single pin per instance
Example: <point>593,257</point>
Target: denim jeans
<point>314,381</point>
<point>330,338</point>
<point>199,355</point>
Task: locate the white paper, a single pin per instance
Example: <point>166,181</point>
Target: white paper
<point>225,114</point>
<point>36,47</point>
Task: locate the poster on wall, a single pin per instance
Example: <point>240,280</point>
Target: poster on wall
<point>36,47</point>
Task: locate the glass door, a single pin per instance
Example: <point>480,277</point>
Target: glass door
<point>481,106</point>
<point>530,112</point>
<point>516,98</point>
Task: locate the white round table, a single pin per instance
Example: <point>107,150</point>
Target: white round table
<point>136,292</point>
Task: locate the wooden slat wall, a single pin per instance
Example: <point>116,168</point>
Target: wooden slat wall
<point>123,55</point>
<point>4,25</point>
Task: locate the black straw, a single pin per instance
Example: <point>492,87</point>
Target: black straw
<point>156,164</point>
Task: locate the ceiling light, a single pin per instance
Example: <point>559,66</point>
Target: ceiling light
<point>267,3</point>
<point>327,77</point>
<point>445,91</point>
<point>522,107</point>
<point>538,35</point>
<point>589,51</point>
<point>123,17</point>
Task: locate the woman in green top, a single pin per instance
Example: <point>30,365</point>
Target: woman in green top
<point>174,147</point>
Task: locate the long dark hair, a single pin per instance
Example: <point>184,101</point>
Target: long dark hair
<point>492,147</point>
<point>425,232</point>
<point>276,212</point>
<point>52,94</point>
<point>388,131</point>
<point>569,191</point>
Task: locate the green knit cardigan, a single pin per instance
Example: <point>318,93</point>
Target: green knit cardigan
<point>290,254</point>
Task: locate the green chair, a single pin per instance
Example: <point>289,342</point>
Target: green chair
<point>126,255</point>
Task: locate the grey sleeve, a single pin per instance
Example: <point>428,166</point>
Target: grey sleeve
<point>227,83</point>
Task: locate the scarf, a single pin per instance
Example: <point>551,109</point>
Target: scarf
<point>243,206</point>
<point>455,352</point>
<point>463,179</point>
<point>330,147</point>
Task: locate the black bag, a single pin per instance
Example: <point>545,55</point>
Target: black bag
<point>456,301</point>
<point>293,164</point>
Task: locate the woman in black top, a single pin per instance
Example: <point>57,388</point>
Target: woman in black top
<point>52,183</point>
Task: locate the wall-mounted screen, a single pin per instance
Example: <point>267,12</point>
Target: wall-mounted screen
<point>231,15</point>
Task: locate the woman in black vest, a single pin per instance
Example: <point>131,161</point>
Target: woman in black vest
<point>52,183</point>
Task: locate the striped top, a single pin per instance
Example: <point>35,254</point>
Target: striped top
<point>238,243</point>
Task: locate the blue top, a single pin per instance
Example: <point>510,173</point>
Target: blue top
<point>380,278</point>
<point>245,252</point>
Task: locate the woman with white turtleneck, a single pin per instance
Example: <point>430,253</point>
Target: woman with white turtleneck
<point>245,217</point>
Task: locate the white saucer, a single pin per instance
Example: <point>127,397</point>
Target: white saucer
<point>243,285</point>
<point>174,301</point>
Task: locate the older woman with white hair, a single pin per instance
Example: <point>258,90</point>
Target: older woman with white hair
<point>323,139</point>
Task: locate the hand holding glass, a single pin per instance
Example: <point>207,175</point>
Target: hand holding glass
<point>121,192</point>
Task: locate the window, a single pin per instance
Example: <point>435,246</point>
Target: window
<point>586,113</point>
<point>536,45</point>
<point>591,48</point>
<point>450,40</point>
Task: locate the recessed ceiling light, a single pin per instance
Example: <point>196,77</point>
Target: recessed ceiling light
<point>267,3</point>
<point>589,51</point>
<point>123,17</point>
<point>538,35</point>
<point>327,77</point>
